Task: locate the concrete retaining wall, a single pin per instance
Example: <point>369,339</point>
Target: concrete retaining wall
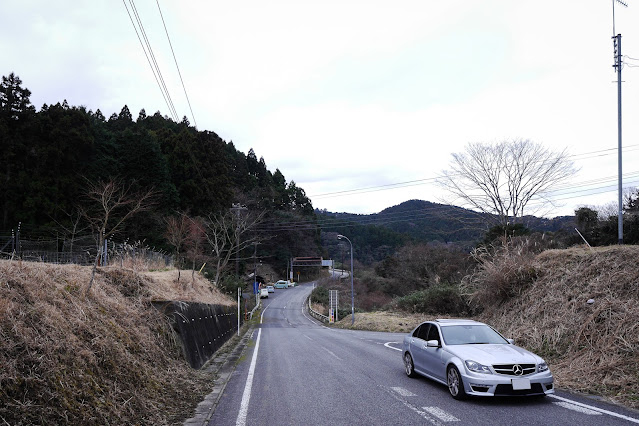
<point>202,328</point>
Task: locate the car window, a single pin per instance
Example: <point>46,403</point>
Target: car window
<point>433,333</point>
<point>423,331</point>
<point>416,332</point>
<point>471,334</point>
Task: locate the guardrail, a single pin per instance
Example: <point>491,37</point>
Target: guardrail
<point>316,314</point>
<point>257,305</point>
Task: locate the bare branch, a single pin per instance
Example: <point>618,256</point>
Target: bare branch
<point>111,203</point>
<point>502,178</point>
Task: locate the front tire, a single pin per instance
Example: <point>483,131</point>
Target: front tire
<point>409,366</point>
<point>455,383</point>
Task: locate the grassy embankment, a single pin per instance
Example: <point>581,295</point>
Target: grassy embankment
<point>107,357</point>
<point>591,347</point>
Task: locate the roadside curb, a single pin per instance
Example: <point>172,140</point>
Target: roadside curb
<point>221,368</point>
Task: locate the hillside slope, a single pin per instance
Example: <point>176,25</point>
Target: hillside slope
<point>105,358</point>
<point>425,221</point>
<point>591,347</point>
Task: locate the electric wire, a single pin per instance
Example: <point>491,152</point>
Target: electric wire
<point>416,182</point>
<point>383,218</point>
<point>176,64</point>
<point>148,43</point>
<point>147,57</point>
<point>148,52</point>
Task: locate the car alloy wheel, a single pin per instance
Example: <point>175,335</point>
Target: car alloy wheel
<point>408,365</point>
<point>455,383</point>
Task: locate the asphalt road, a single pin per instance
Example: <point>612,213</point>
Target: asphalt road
<point>298,372</point>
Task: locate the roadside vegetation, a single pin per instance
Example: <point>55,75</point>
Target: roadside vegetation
<point>106,357</point>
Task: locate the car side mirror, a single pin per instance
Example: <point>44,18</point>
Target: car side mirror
<point>432,343</point>
<point>511,341</point>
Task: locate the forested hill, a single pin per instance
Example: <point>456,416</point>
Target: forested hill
<point>422,222</point>
<point>49,156</point>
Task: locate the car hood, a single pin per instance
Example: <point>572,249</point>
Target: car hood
<point>494,354</point>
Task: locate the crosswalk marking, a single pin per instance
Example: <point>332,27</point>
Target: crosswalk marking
<point>440,414</point>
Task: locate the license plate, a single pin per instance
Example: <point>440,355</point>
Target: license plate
<point>519,384</point>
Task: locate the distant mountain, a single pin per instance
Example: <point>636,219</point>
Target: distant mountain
<point>424,221</point>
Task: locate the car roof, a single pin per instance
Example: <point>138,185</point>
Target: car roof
<point>443,322</point>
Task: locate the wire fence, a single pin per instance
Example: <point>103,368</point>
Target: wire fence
<point>81,250</point>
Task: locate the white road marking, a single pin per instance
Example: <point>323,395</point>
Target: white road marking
<point>331,353</point>
<point>388,345</point>
<point>402,391</point>
<point>426,416</point>
<point>308,338</point>
<point>577,408</point>
<point>440,414</point>
<point>610,413</point>
<point>246,396</point>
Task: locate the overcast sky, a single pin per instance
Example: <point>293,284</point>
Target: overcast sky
<point>346,95</point>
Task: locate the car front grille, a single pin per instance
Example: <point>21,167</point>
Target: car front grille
<point>507,390</point>
<point>515,369</point>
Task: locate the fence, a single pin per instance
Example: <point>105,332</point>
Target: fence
<point>79,250</point>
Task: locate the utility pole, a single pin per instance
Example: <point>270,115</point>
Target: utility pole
<point>617,65</point>
<point>617,49</point>
<point>237,209</point>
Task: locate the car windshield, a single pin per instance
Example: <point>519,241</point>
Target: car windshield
<point>471,334</point>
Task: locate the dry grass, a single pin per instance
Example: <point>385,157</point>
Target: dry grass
<point>384,321</point>
<point>190,288</point>
<point>103,358</point>
<point>591,348</point>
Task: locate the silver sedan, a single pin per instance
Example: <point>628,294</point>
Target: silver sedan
<point>471,358</point>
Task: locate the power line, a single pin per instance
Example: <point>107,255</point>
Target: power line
<point>176,64</point>
<point>416,182</point>
<point>436,212</point>
<point>151,60</point>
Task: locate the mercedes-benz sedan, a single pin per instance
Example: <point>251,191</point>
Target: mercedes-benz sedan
<point>471,358</point>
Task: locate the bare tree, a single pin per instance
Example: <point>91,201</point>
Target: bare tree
<point>112,203</point>
<point>502,178</point>
<point>73,228</point>
<point>177,233</point>
<point>195,242</point>
<point>228,234</point>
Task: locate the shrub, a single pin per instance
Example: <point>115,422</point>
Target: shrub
<point>440,299</point>
<point>320,295</point>
<point>502,272</point>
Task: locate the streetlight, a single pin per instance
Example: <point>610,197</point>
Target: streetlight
<point>342,237</point>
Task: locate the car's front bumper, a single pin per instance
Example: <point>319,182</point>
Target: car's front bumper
<point>478,384</point>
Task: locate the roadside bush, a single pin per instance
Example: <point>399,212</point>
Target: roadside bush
<point>502,273</point>
<point>320,295</point>
<point>441,299</point>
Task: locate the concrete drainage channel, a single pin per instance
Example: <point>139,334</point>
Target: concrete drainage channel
<point>221,367</point>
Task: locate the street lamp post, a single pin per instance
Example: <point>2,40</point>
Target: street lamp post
<point>342,237</point>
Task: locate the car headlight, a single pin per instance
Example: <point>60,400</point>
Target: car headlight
<point>477,367</point>
<point>542,366</point>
